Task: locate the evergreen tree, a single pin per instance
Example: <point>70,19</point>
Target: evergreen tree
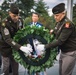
<point>74,14</point>
<point>41,7</point>
<point>25,6</point>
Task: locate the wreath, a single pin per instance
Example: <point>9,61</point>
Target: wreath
<point>34,62</point>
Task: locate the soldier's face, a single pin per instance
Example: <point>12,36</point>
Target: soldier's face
<point>14,17</point>
<point>58,17</point>
<point>35,17</point>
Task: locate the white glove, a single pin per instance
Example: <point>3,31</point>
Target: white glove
<point>41,47</point>
<point>28,45</point>
<point>35,41</point>
<point>25,49</point>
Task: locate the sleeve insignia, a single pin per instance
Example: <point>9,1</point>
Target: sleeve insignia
<point>13,43</point>
<point>6,32</point>
<point>67,25</point>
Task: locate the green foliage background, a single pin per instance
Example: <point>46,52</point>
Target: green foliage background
<point>74,14</point>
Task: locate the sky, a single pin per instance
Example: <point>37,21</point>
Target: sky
<point>51,3</point>
<point>1,1</point>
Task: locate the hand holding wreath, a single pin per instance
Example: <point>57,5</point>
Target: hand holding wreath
<point>41,47</point>
<point>34,38</point>
<point>26,50</point>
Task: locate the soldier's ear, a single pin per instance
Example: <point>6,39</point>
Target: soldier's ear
<point>9,12</point>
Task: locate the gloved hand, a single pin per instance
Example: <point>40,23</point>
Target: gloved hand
<point>41,47</point>
<point>36,42</point>
<point>26,50</point>
<point>28,45</point>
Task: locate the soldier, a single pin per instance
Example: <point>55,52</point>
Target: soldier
<point>65,34</point>
<point>9,28</point>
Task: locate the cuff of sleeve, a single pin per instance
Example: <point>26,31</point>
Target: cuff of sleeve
<point>17,47</point>
<point>47,46</point>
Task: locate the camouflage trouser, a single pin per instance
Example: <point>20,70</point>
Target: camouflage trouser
<point>67,63</point>
<point>6,61</point>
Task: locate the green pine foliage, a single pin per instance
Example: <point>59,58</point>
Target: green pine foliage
<point>44,33</point>
<point>74,14</point>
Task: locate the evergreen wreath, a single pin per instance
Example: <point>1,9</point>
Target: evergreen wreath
<point>38,63</point>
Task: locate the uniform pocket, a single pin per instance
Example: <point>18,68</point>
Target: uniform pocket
<point>72,53</point>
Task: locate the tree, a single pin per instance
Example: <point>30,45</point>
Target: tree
<point>4,8</point>
<point>74,14</point>
<point>25,6</point>
<point>41,7</point>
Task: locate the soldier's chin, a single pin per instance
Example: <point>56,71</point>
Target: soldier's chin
<point>57,20</point>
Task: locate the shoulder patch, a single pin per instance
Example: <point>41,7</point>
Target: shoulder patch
<point>6,32</point>
<point>67,25</point>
